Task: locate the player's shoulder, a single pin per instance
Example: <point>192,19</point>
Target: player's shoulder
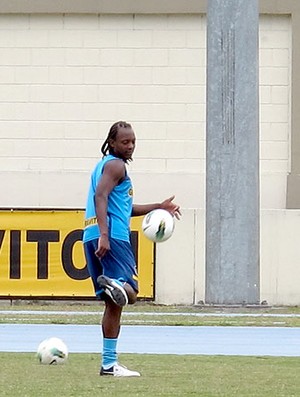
<point>113,165</point>
<point>112,161</point>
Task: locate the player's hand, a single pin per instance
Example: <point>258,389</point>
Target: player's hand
<point>173,208</point>
<point>103,246</point>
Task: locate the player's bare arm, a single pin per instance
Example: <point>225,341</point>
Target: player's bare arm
<point>168,205</point>
<point>113,173</point>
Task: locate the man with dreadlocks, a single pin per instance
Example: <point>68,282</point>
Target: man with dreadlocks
<point>106,238</point>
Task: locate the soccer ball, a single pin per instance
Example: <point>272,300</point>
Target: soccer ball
<point>158,225</point>
<point>52,351</point>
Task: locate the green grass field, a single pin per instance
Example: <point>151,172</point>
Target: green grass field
<point>162,375</point>
<point>150,314</point>
<point>167,375</point>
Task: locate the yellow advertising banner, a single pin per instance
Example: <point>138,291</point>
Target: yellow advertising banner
<point>41,255</point>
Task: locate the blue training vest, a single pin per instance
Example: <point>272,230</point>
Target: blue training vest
<point>119,206</point>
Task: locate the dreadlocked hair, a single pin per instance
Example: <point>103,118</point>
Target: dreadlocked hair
<point>105,148</point>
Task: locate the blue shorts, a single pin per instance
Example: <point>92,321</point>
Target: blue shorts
<point>117,263</point>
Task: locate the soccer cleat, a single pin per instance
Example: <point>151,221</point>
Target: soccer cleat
<point>113,289</point>
<point>118,370</point>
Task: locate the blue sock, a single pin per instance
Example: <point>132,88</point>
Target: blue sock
<point>119,281</point>
<point>109,353</point>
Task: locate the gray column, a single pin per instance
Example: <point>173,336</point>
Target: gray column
<point>232,171</point>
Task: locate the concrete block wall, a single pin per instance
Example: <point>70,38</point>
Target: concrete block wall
<point>275,107</point>
<point>65,79</point>
<point>180,269</point>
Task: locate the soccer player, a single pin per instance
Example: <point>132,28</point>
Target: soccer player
<point>106,238</point>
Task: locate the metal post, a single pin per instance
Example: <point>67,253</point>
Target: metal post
<point>232,170</point>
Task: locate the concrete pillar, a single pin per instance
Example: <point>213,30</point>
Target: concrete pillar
<point>232,171</point>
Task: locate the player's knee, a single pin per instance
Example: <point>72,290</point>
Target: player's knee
<point>131,293</point>
<point>132,299</point>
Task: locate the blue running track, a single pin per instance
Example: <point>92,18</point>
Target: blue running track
<point>250,341</point>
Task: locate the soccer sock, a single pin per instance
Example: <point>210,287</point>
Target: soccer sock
<point>119,281</point>
<point>109,354</point>
<point>99,292</point>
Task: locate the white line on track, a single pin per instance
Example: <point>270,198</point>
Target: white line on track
<point>89,313</point>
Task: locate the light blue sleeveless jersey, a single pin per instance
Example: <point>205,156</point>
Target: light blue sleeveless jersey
<point>119,206</point>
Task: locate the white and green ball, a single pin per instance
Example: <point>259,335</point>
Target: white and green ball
<point>158,225</point>
<point>52,351</point>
